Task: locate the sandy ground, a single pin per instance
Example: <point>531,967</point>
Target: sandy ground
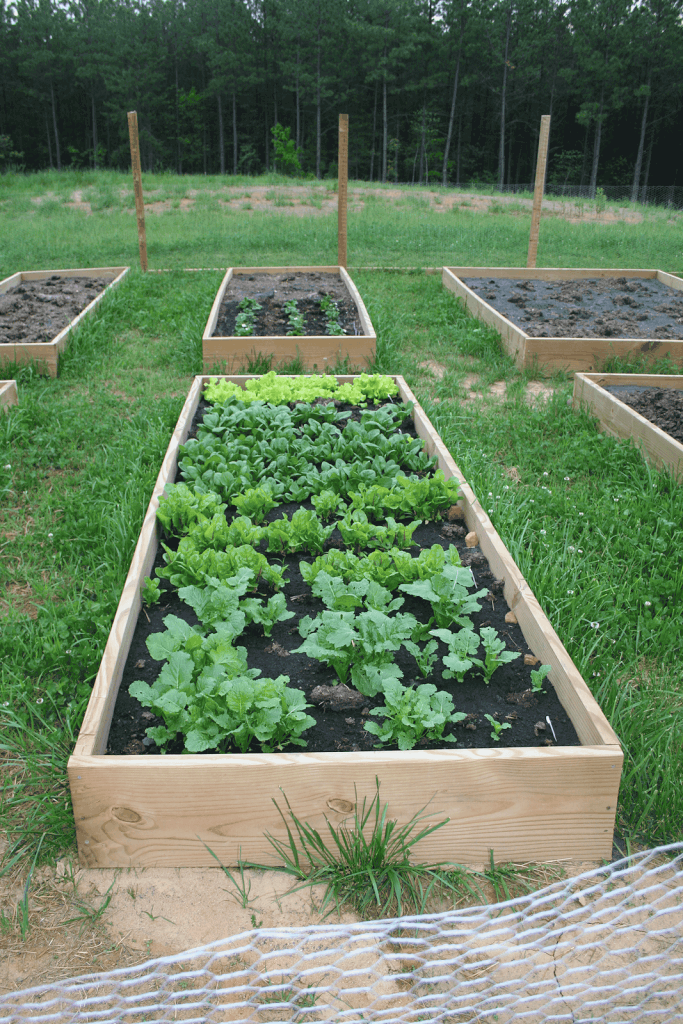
<point>321,200</point>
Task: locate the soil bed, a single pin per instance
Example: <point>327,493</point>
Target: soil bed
<point>273,290</point>
<point>35,311</point>
<point>661,406</point>
<point>610,307</point>
<point>507,697</point>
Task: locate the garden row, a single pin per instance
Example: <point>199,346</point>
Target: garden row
<point>293,528</point>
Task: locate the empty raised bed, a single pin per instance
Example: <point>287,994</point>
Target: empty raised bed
<point>40,308</point>
<point>658,415</point>
<point>575,319</point>
<point>524,803</point>
<point>333,325</point>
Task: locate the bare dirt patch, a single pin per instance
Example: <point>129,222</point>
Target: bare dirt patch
<point>34,312</point>
<point>18,597</point>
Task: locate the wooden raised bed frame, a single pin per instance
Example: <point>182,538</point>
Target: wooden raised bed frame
<point>569,354</point>
<point>526,804</point>
<point>46,354</point>
<point>316,353</point>
<point>8,394</point>
<point>620,420</point>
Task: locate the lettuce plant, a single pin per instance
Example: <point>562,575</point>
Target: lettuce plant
<point>496,654</point>
<point>280,390</point>
<point>497,727</point>
<point>267,614</point>
<point>180,506</point>
<point>187,565</point>
<point>411,714</point>
<point>537,677</point>
<point>331,638</point>
<point>295,318</point>
<point>328,503</point>
<point>305,532</point>
<point>255,502</point>
<point>150,591</point>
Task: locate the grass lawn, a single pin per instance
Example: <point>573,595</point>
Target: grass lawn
<point>594,529</point>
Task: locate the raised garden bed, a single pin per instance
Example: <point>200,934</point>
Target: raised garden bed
<point>524,802</point>
<point>568,319</point>
<point>271,287</point>
<point>8,394</point>
<point>40,308</point>
<point>645,407</point>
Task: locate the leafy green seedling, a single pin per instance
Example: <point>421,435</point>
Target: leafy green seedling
<point>410,714</point>
<point>425,658</point>
<point>462,646</point>
<point>327,503</point>
<point>255,502</point>
<point>496,727</point>
<point>245,320</point>
<point>267,615</point>
<point>537,677</point>
<point>496,655</point>
<point>151,591</point>
<point>295,319</point>
<point>447,592</point>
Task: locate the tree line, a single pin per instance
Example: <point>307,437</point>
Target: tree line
<point>447,91</point>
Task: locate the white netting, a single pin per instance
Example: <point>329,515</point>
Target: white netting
<point>606,946</point>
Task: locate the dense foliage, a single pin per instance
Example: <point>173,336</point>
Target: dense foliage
<point>437,90</point>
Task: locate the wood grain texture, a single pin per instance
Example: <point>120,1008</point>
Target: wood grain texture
<point>619,420</point>
<point>524,803</point>
<point>315,352</point>
<point>567,354</point>
<point>541,164</point>
<point>8,394</point>
<point>45,356</point>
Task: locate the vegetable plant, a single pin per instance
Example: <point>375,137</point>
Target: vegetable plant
<point>411,714</point>
<point>496,654</point>
<point>305,532</point>
<point>180,506</point>
<point>255,502</point>
<point>496,727</point>
<point>188,564</point>
<point>150,591</point>
<point>267,614</point>
<point>280,390</point>
<point>295,318</point>
<point>462,646</point>
<point>327,503</point>
<point>331,310</point>
<point>537,677</point>
<point>246,318</point>
<point>448,594</point>
<point>425,657</point>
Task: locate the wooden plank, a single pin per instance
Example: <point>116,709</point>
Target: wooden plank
<point>541,164</point>
<point>524,803</point>
<point>45,355</point>
<point>620,420</point>
<point>8,394</point>
<point>342,187</point>
<point>567,354</point>
<point>316,353</point>
<point>137,187</point>
<point>514,339</point>
<point>92,738</point>
<point>590,723</point>
<point>537,804</point>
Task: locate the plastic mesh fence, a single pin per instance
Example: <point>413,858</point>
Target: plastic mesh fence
<point>605,946</point>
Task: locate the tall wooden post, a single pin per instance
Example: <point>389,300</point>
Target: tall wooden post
<point>541,164</point>
<point>137,185</point>
<point>342,187</point>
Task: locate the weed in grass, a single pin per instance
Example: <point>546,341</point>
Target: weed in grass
<point>242,884</point>
<point>372,872</point>
<point>89,916</point>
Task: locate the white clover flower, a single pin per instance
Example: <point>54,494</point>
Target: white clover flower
<point>506,487</point>
<point>490,511</point>
<point>595,625</point>
<point>571,593</point>
<point>544,473</point>
<point>39,700</point>
<point>648,604</point>
<point>580,513</point>
<point>531,501</point>
<point>490,494</point>
<point>5,703</point>
<point>543,532</point>
<point>580,551</point>
<point>567,478</point>
<point>571,548</point>
<point>8,466</point>
<point>50,535</point>
<point>497,496</point>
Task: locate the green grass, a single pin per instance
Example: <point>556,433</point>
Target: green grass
<point>84,451</point>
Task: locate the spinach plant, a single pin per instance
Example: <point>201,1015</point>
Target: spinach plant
<point>331,310</point>
<point>411,714</point>
<point>496,654</point>
<point>496,727</point>
<point>328,503</point>
<point>246,318</point>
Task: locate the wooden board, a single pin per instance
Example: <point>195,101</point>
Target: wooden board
<point>8,394</point>
<point>568,354</point>
<point>620,420</point>
<point>527,804</point>
<point>316,353</point>
<point>45,355</point>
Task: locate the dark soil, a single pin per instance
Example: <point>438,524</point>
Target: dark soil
<point>661,406</point>
<point>273,290</point>
<point>36,311</point>
<point>507,696</point>
<point>609,307</point>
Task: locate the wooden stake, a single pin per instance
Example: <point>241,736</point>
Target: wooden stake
<point>342,187</point>
<point>541,164</point>
<point>137,185</point>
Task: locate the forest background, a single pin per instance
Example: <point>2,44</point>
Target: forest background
<point>445,91</point>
